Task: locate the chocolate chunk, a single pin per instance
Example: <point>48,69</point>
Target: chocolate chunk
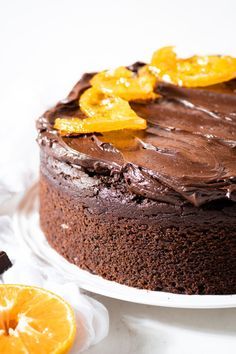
<point>5,262</point>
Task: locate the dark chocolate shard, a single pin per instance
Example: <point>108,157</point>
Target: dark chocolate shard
<point>5,262</point>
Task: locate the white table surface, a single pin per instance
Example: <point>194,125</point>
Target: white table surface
<point>45,46</point>
<point>140,329</point>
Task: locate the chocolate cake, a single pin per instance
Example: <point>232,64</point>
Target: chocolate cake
<point>154,208</point>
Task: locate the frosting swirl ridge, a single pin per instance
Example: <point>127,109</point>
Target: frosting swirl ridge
<point>186,154</point>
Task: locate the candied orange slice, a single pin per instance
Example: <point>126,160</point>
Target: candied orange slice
<point>125,84</point>
<point>105,113</point>
<point>33,320</point>
<point>196,71</point>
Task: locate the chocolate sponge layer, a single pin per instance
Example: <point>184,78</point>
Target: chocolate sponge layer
<point>95,223</point>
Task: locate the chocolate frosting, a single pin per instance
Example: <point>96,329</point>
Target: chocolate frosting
<point>186,154</point>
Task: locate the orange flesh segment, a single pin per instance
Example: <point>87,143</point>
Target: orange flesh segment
<point>125,84</point>
<point>33,320</point>
<point>105,113</point>
<point>197,71</point>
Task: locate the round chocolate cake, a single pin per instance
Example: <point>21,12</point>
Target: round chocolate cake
<point>152,208</point>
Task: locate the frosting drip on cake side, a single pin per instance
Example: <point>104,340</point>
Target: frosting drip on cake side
<point>187,153</point>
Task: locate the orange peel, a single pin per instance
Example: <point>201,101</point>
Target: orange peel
<point>196,71</point>
<point>125,84</point>
<point>105,113</point>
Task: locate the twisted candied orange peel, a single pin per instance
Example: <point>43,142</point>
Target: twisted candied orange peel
<point>105,113</point>
<point>106,103</point>
<point>125,84</point>
<point>196,71</point>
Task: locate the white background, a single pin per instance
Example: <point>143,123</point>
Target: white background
<point>45,46</point>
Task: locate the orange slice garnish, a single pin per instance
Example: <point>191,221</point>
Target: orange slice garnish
<point>33,320</point>
<point>105,113</point>
<point>196,71</point>
<point>125,84</point>
<point>106,103</point>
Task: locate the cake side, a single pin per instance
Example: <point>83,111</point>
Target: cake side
<point>140,243</point>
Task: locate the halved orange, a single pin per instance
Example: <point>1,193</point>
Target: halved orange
<point>34,320</point>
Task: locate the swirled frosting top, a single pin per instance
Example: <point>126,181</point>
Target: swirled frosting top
<point>186,154</point>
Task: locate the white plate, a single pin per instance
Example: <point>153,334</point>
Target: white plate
<point>26,222</point>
